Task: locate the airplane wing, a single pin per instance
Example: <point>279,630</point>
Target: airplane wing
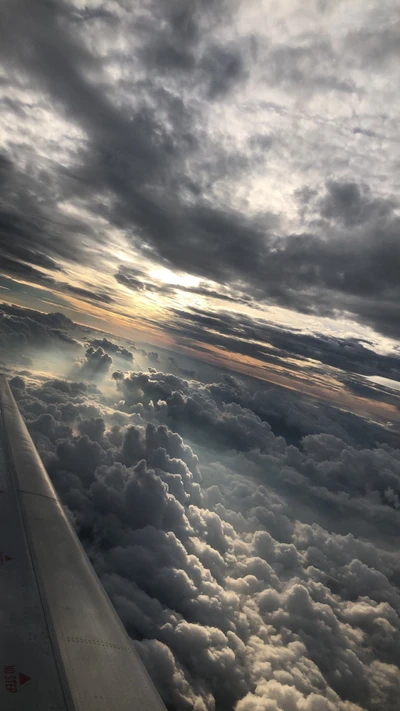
<point>62,645</point>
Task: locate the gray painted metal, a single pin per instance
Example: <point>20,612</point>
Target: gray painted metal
<point>62,645</point>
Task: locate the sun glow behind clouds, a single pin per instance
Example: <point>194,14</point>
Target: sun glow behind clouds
<point>169,277</point>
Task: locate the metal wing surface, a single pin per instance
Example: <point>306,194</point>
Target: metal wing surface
<point>62,645</point>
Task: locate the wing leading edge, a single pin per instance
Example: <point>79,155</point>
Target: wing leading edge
<point>62,645</point>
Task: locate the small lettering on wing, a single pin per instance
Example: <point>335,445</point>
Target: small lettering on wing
<point>12,680</point>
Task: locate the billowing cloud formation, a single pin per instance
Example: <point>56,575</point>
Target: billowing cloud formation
<point>112,348</point>
<point>234,570</point>
<point>196,409</point>
<point>96,363</point>
<point>24,329</point>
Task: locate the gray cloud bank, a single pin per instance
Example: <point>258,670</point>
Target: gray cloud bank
<point>271,344</point>
<point>143,157</point>
<point>22,330</point>
<point>255,569</point>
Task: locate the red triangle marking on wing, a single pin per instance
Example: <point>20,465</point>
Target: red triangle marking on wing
<point>23,678</point>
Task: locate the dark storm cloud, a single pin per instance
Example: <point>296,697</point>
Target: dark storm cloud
<point>224,67</point>
<point>351,263</point>
<point>88,295</point>
<point>234,596</point>
<point>352,204</point>
<point>12,267</point>
<point>29,256</point>
<point>164,222</point>
<point>23,270</point>
<point>371,390</point>
<point>33,232</point>
<point>381,314</point>
<point>49,51</point>
<point>256,338</point>
<point>354,270</point>
<point>174,37</point>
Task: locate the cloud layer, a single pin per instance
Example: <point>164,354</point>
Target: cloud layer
<point>254,561</point>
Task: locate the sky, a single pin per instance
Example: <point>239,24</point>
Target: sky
<point>199,316</point>
<point>214,176</point>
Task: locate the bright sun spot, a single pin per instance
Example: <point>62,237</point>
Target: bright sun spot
<point>169,277</point>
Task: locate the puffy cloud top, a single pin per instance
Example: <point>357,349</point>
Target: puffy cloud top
<point>234,570</point>
<point>111,347</point>
<point>96,364</point>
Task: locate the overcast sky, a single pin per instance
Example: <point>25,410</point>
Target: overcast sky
<point>214,176</point>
